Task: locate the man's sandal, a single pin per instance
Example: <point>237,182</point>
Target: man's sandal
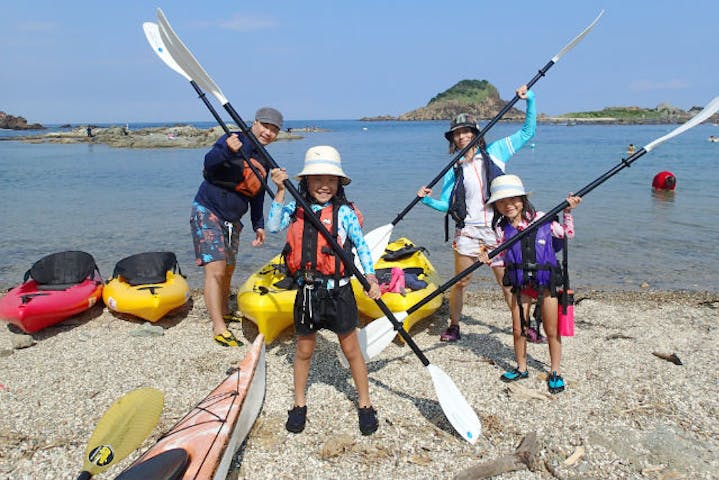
<point>232,317</point>
<point>227,339</point>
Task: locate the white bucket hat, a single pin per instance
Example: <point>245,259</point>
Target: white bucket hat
<point>323,160</point>
<point>506,186</point>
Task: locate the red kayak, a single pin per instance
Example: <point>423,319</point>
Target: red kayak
<point>55,288</point>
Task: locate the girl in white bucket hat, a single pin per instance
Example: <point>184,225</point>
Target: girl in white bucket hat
<point>535,278</point>
<point>325,298</point>
<point>323,160</point>
<point>464,197</point>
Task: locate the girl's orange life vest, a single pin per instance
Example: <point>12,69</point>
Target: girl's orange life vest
<point>308,252</point>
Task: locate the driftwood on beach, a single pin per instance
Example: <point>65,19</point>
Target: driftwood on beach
<point>524,458</point>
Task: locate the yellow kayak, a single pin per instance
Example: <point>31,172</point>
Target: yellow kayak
<point>139,288</point>
<point>264,303</point>
<point>405,255</point>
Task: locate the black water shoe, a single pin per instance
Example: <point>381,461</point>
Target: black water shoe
<point>368,420</point>
<point>296,419</point>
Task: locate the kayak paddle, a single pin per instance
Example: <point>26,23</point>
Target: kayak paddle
<point>152,34</point>
<point>378,238</point>
<point>459,413</point>
<point>122,428</point>
<point>379,333</point>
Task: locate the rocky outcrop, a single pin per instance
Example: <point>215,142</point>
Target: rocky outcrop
<point>664,113</point>
<point>476,97</point>
<point>481,99</point>
<point>17,123</point>
<point>179,136</point>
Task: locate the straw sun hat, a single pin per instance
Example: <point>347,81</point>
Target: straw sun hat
<point>506,186</point>
<point>323,160</point>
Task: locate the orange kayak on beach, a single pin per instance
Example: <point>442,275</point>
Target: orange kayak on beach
<point>202,444</point>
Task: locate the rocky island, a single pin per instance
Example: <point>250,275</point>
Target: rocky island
<point>481,99</point>
<point>178,136</point>
<point>11,122</point>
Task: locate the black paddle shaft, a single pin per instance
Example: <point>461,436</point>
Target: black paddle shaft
<point>546,218</point>
<point>474,141</point>
<point>349,264</point>
<point>221,122</point>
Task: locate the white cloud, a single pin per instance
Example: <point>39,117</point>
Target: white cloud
<point>244,23</point>
<point>648,86</point>
<point>241,23</point>
<point>36,26</point>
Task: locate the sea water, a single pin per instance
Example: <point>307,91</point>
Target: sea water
<point>115,202</point>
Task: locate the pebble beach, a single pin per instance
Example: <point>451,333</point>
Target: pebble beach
<point>627,411</point>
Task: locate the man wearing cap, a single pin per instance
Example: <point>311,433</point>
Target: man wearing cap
<point>231,188</point>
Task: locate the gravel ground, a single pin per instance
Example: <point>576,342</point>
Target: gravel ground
<point>626,413</point>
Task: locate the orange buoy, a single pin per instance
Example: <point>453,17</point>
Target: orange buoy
<point>664,181</point>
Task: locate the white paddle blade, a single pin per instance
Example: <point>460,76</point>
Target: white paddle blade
<point>377,240</point>
<point>576,39</point>
<point>184,58</point>
<point>710,109</point>
<point>462,417</point>
<point>379,334</point>
<point>152,34</point>
<point>374,338</point>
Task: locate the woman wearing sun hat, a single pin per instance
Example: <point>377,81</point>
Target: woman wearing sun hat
<point>531,269</point>
<point>325,298</point>
<point>464,198</point>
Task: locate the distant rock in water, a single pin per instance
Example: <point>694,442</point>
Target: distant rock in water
<point>178,136</point>
<point>477,97</point>
<point>17,123</point>
<point>481,99</point>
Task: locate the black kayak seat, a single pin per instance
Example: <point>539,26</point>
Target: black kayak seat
<point>59,271</point>
<point>145,268</point>
<point>168,465</point>
<point>404,252</point>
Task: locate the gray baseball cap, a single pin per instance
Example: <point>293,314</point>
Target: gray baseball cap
<point>269,115</point>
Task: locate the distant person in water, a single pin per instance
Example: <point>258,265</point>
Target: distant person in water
<point>229,190</point>
<point>630,149</point>
<point>89,131</point>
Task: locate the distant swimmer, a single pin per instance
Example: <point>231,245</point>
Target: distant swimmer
<point>713,138</point>
<point>630,149</point>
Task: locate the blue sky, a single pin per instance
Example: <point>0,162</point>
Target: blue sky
<point>88,61</point>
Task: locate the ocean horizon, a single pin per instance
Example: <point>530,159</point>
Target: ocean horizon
<point>117,202</point>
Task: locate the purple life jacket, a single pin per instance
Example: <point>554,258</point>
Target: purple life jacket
<point>532,261</point>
